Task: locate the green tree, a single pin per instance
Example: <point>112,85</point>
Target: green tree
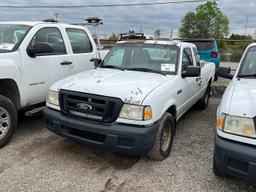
<point>241,37</point>
<point>113,37</point>
<point>157,33</point>
<point>206,22</point>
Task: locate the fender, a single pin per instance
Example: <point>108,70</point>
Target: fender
<point>10,69</point>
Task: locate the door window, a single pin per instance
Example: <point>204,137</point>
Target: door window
<point>52,36</point>
<point>197,56</point>
<point>79,40</point>
<point>187,59</point>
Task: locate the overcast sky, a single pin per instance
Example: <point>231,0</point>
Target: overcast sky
<point>122,19</point>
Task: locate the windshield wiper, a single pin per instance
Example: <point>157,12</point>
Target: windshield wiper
<point>146,70</point>
<point>247,75</point>
<point>112,67</point>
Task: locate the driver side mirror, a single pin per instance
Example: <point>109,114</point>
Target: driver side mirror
<point>225,72</point>
<point>191,71</point>
<point>96,61</point>
<point>40,49</point>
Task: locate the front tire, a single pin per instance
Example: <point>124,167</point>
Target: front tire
<point>164,138</point>
<point>8,120</point>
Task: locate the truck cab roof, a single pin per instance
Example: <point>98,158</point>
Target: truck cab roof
<point>159,42</point>
<point>34,23</point>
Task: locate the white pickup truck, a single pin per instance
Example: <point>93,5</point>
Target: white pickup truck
<point>130,103</point>
<point>235,135</point>
<point>34,55</point>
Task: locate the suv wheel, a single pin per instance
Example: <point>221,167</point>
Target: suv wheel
<point>164,138</point>
<point>8,120</point>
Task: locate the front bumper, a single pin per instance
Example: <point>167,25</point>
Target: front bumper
<point>115,137</point>
<point>235,158</point>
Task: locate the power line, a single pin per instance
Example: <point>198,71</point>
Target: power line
<point>96,5</point>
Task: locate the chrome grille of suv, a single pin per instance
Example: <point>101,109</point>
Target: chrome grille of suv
<point>89,106</point>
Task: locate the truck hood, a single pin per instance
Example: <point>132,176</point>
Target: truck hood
<point>130,86</point>
<point>243,100</point>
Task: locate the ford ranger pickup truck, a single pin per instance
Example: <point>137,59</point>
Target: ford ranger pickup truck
<point>34,55</point>
<point>235,134</point>
<point>131,101</point>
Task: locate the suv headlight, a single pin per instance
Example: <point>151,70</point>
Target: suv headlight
<point>53,98</point>
<point>136,112</point>
<point>237,125</point>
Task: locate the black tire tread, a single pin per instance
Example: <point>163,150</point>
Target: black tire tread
<point>9,106</point>
<point>155,152</point>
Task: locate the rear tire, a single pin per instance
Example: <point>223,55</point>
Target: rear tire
<point>8,120</point>
<point>204,101</point>
<point>164,138</point>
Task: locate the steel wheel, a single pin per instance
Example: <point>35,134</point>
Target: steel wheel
<point>4,122</point>
<point>166,137</point>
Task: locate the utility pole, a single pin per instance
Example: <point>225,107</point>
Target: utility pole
<point>140,28</point>
<point>246,24</point>
<point>171,33</point>
<point>56,15</point>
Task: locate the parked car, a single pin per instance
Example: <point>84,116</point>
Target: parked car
<point>235,135</point>
<point>208,51</point>
<point>34,55</point>
<point>130,103</point>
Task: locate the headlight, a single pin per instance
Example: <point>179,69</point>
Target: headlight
<point>237,125</point>
<point>53,98</point>
<point>136,112</point>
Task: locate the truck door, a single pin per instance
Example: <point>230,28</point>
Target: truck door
<point>41,71</point>
<point>189,84</point>
<point>83,50</point>
<point>201,81</point>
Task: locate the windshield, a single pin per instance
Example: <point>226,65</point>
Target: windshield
<point>248,66</point>
<point>147,57</point>
<point>11,35</point>
<point>204,45</point>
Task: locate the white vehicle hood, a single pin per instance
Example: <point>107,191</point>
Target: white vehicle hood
<point>130,86</point>
<point>243,99</point>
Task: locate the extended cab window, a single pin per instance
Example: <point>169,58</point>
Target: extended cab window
<point>79,40</point>
<point>52,36</point>
<point>187,59</point>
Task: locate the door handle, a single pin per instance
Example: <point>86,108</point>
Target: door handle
<point>198,78</point>
<point>66,63</point>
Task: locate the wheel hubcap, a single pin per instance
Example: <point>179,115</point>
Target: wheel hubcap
<point>166,137</point>
<point>4,122</point>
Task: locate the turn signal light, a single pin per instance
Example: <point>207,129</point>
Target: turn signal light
<point>220,122</point>
<point>147,113</point>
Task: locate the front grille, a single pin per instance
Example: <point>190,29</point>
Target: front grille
<point>89,106</point>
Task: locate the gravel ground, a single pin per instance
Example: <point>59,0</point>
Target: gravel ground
<point>38,160</point>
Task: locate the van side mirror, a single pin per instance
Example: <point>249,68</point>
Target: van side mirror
<point>96,61</point>
<point>191,71</point>
<point>39,49</point>
<point>225,72</point>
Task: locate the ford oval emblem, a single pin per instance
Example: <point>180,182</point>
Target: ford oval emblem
<point>84,106</point>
